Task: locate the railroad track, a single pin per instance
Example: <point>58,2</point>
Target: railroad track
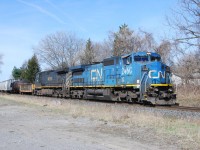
<point>181,108</point>
<point>176,107</point>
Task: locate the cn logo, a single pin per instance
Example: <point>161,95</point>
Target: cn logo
<point>96,74</point>
<point>157,74</point>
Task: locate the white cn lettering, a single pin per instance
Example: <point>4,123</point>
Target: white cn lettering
<point>159,74</point>
<point>95,73</point>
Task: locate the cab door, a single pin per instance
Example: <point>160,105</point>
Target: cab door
<point>127,70</point>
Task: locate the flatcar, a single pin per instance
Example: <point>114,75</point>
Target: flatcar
<point>139,77</point>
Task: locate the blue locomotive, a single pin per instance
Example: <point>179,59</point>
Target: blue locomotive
<point>137,77</point>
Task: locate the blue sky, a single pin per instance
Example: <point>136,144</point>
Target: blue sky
<point>23,23</point>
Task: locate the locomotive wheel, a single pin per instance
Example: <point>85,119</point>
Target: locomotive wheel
<point>128,99</point>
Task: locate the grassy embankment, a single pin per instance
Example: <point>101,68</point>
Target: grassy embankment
<point>183,132</point>
<point>188,96</point>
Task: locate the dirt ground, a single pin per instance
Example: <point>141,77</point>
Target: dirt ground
<point>38,127</point>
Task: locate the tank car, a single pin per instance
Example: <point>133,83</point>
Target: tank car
<point>6,86</point>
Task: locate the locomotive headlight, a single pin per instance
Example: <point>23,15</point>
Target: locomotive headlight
<point>138,81</point>
<point>144,68</point>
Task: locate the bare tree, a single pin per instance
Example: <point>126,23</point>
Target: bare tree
<point>164,49</point>
<point>96,51</point>
<point>147,41</point>
<point>186,22</point>
<point>186,42</point>
<point>188,66</point>
<point>102,50</point>
<point>59,50</point>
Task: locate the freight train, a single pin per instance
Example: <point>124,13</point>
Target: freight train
<point>139,77</point>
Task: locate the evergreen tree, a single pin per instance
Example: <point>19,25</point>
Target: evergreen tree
<point>16,73</point>
<point>32,69</point>
<point>127,40</point>
<point>23,69</point>
<point>89,54</point>
<point>123,41</point>
<point>28,70</point>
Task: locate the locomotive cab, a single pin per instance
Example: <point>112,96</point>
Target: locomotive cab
<point>145,79</point>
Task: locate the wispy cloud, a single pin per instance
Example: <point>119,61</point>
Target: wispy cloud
<point>66,15</point>
<point>42,10</point>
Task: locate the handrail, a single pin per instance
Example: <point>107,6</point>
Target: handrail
<point>141,85</point>
<point>146,83</point>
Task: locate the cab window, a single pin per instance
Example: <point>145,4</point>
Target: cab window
<point>127,60</point>
<point>140,58</point>
<point>153,58</point>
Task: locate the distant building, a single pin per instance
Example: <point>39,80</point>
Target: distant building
<point>176,79</point>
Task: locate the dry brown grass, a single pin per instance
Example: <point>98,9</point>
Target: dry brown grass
<point>185,133</point>
<point>189,95</point>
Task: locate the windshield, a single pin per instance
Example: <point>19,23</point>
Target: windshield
<point>153,58</point>
<point>141,58</point>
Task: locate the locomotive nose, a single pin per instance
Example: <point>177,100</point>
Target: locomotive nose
<point>157,73</point>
